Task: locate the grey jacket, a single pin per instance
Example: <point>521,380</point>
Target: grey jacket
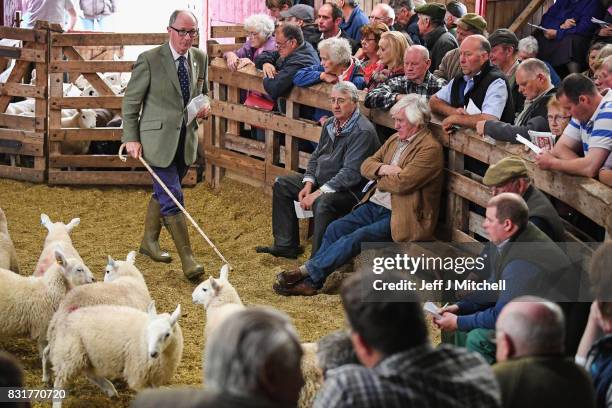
<point>97,8</point>
<point>337,159</point>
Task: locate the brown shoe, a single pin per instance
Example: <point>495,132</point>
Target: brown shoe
<point>303,288</point>
<point>289,278</point>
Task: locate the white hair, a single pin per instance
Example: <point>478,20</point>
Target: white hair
<point>415,108</point>
<point>261,23</point>
<point>389,12</point>
<point>423,50</point>
<point>339,50</point>
<point>529,45</point>
<point>534,66</point>
<point>347,88</point>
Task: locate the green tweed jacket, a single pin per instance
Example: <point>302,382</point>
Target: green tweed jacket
<point>153,110</point>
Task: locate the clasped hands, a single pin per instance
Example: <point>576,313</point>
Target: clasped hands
<point>306,197</point>
<point>448,321</point>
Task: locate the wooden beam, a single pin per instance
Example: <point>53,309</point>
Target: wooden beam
<point>97,134</point>
<point>525,15</point>
<point>90,66</point>
<point>23,90</point>
<point>230,31</point>
<point>63,177</point>
<point>22,173</point>
<point>24,34</point>
<point>86,102</point>
<point>93,78</point>
<point>97,39</point>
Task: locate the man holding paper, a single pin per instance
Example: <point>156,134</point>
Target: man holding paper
<point>481,92</point>
<point>332,183</point>
<point>164,81</point>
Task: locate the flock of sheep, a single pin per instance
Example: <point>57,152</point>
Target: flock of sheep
<point>106,330</point>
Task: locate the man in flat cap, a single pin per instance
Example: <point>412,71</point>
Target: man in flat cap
<point>406,19</point>
<point>510,175</point>
<point>504,55</point>
<point>433,31</point>
<point>467,25</point>
<point>454,11</point>
<point>302,15</point>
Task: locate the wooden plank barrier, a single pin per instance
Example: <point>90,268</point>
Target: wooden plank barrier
<point>68,52</point>
<point>22,138</point>
<point>260,162</point>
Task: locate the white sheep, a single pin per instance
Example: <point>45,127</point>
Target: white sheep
<point>81,82</point>
<point>27,303</point>
<point>84,119</point>
<point>219,298</point>
<point>91,91</point>
<point>123,285</point>
<point>58,238</point>
<point>8,256</point>
<point>108,342</point>
<point>25,107</point>
<point>71,90</point>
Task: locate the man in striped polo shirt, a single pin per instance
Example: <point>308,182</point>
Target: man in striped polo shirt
<point>585,145</point>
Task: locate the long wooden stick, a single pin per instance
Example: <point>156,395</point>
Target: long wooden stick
<point>161,183</point>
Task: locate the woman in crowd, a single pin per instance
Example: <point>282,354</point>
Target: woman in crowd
<point>558,118</point>
<point>337,65</point>
<point>370,36</point>
<point>260,30</point>
<point>593,54</point>
<point>391,49</point>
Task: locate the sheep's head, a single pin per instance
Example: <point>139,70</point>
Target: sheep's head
<point>160,330</point>
<point>117,269</point>
<point>58,227</point>
<point>206,291</point>
<point>90,91</point>
<point>75,271</point>
<point>87,119</point>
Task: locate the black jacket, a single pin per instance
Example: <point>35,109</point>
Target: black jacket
<point>533,119</point>
<point>439,42</point>
<point>281,84</point>
<point>355,45</point>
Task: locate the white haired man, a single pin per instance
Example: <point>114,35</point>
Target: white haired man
<point>528,48</point>
<point>383,13</point>
<point>407,174</point>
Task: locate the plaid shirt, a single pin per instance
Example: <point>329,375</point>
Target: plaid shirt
<point>383,96</point>
<point>423,377</point>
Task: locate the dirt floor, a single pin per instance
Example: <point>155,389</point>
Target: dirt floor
<point>236,217</point>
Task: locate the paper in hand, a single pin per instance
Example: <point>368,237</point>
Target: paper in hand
<point>600,22</point>
<point>544,140</point>
<point>432,309</point>
<point>196,105</point>
<point>528,143</point>
<point>300,212</point>
<point>472,109</point>
<point>537,26</point>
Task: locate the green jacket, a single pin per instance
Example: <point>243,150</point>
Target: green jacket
<point>153,110</point>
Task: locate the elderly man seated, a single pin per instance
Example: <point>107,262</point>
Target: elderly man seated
<point>482,84</point>
<point>332,184</point>
<point>252,360</point>
<point>584,148</point>
<point>533,80</point>
<point>519,255</point>
<point>532,370</point>
<point>416,80</point>
<point>407,175</point>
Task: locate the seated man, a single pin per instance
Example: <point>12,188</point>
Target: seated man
<point>280,66</point>
<point>588,134</point>
<point>454,11</point>
<point>533,80</point>
<point>531,368</point>
<point>416,79</point>
<point>482,83</point>
<point>435,36</point>
<point>332,184</point>
<point>407,172</point>
<point>510,175</point>
<point>329,18</point>
<point>302,15</point>
<point>406,19</point>
<point>252,360</point>
<point>383,13</point>
<point>469,24</point>
<point>400,366</point>
<point>519,255</point>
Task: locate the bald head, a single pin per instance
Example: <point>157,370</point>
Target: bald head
<point>416,63</point>
<point>473,54</point>
<point>530,326</point>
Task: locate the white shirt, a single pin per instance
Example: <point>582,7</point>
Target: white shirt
<point>53,11</point>
<point>175,57</point>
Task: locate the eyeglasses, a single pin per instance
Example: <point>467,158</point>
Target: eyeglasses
<point>338,101</point>
<point>376,18</point>
<point>281,44</point>
<point>183,33</point>
<point>368,39</point>
<point>557,118</point>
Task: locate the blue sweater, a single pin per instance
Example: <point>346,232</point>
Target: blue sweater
<point>579,10</point>
<point>352,27</point>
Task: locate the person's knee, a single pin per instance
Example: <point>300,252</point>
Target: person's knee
<point>480,341</point>
<point>324,205</point>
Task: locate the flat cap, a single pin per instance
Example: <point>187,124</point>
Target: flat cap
<point>456,8</point>
<point>436,11</point>
<point>503,36</point>
<point>504,170</point>
<point>300,11</point>
<point>472,22</point>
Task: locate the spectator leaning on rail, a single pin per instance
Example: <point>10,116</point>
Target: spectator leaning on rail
<point>370,37</point>
<point>528,48</point>
<point>504,55</point>
<point>533,82</point>
<point>337,65</point>
<point>454,11</point>
<point>329,18</point>
<point>436,37</point>
<point>391,49</point>
<point>353,16</point>
<point>280,66</point>
<point>401,205</point>
<point>531,368</point>
<point>520,255</point>
<point>260,38</point>
<point>416,80</point>
<point>589,132</point>
<point>510,175</point>
<point>467,25</point>
<point>400,368</point>
<point>480,82</point>
<point>252,361</point>
<point>406,19</point>
<point>331,185</point>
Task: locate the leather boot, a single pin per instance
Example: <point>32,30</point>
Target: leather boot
<point>177,227</point>
<point>150,239</point>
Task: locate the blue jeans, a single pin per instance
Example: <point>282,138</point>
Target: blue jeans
<point>89,24</point>
<point>342,239</point>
